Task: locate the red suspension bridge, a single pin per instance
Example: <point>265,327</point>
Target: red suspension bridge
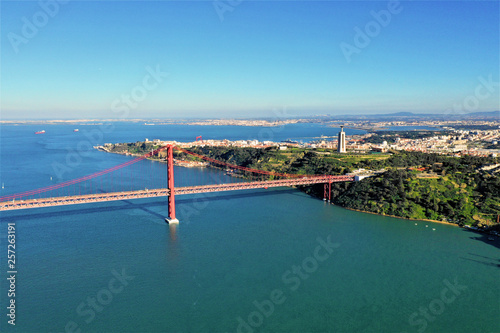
<point>109,184</point>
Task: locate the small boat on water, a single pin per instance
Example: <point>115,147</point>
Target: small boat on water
<point>76,130</point>
<point>40,132</point>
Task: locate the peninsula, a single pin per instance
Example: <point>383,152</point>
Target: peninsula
<point>463,190</point>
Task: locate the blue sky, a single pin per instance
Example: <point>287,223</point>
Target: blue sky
<point>87,57</point>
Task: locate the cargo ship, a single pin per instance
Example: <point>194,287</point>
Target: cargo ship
<point>40,132</point>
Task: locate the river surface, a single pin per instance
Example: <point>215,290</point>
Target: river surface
<point>271,260</point>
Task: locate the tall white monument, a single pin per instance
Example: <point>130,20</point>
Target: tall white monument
<point>341,144</point>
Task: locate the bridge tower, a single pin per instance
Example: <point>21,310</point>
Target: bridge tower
<point>170,185</point>
<point>327,191</point>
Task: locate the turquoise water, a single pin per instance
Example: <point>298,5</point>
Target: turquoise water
<point>230,252</point>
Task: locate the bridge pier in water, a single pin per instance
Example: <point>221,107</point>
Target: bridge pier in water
<point>170,185</point>
<point>327,192</point>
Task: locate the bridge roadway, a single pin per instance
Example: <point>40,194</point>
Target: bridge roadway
<point>151,193</point>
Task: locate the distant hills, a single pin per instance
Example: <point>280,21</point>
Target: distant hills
<point>492,115</point>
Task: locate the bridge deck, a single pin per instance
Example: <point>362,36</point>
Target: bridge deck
<point>146,193</point>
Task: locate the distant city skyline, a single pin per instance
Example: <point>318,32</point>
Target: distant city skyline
<point>220,59</point>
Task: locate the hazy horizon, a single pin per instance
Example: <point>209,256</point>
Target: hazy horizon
<point>268,118</point>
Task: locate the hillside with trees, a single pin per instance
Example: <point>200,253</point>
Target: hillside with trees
<point>408,184</point>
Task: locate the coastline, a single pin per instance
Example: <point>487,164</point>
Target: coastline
<point>399,217</point>
<point>185,164</point>
<point>192,164</point>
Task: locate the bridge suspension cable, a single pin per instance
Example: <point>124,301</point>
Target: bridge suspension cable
<point>81,179</point>
<point>99,193</point>
<point>234,166</point>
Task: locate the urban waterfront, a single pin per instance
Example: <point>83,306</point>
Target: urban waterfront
<point>260,260</point>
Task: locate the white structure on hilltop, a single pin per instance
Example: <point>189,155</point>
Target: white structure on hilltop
<point>341,142</point>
